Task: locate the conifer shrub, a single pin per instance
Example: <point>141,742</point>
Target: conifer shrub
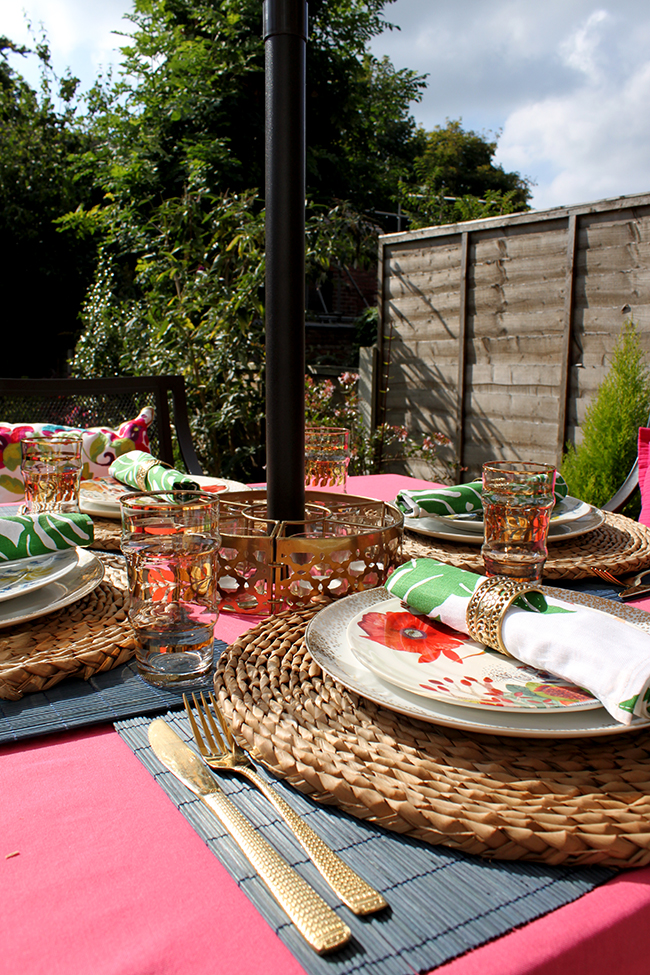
<point>597,467</point>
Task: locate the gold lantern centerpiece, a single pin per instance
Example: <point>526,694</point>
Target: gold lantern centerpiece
<point>344,544</point>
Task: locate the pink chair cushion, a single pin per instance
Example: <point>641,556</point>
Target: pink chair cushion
<point>101,445</point>
<point>644,479</point>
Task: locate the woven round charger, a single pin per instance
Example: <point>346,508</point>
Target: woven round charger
<point>89,636</point>
<point>620,545</point>
<point>574,801</point>
<point>107,534</point>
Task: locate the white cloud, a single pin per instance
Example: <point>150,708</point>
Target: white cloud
<point>79,32</point>
<point>581,49</point>
<point>593,141</point>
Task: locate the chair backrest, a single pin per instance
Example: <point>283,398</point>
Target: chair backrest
<point>631,482</point>
<point>106,401</point>
<point>625,492</point>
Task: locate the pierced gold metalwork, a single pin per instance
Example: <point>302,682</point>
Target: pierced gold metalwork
<point>344,544</point>
<point>488,606</point>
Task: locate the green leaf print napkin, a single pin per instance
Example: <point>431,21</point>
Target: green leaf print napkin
<point>460,499</point>
<point>603,654</point>
<point>140,470</point>
<point>23,536</point>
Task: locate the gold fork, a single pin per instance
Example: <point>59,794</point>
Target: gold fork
<point>607,576</point>
<point>633,590</point>
<point>359,896</point>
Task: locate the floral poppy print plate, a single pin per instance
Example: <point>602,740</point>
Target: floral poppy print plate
<point>328,645</point>
<point>435,661</point>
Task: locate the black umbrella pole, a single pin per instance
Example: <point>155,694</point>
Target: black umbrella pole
<point>285,37</point>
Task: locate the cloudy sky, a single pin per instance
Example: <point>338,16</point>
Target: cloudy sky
<point>564,83</point>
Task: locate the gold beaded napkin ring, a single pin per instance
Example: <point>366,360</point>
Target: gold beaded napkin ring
<point>488,606</point>
<point>142,471</point>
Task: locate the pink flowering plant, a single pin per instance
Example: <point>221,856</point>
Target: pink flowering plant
<point>337,405</point>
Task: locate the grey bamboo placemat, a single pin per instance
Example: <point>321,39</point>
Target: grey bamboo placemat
<point>115,694</point>
<point>442,903</point>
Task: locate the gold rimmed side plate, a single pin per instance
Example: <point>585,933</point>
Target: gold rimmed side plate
<point>435,527</point>
<point>74,585</point>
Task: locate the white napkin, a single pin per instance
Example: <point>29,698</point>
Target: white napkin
<point>597,651</point>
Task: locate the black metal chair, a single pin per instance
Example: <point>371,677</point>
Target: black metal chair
<point>625,492</point>
<point>106,401</point>
<point>627,488</point>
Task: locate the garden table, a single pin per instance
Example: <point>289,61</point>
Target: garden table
<point>102,874</point>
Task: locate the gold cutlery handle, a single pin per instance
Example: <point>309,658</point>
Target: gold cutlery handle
<point>315,920</point>
<point>353,890</point>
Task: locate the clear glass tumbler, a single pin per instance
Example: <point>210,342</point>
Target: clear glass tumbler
<point>518,498</point>
<point>327,457</point>
<point>171,540</point>
<point>51,469</point>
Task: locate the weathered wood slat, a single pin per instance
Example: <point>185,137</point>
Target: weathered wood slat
<point>541,242</point>
<point>505,351</point>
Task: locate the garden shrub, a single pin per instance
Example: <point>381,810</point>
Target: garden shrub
<point>597,467</point>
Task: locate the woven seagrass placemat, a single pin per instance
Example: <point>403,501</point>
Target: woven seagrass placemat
<point>84,638</point>
<point>566,800</point>
<point>75,703</point>
<point>107,534</point>
<point>620,545</point>
<point>442,903</point>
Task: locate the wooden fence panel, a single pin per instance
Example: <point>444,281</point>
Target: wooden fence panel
<point>499,332</point>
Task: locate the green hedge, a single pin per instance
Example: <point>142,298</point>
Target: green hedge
<point>597,467</point>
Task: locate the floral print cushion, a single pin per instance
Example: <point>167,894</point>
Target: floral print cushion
<point>101,446</point>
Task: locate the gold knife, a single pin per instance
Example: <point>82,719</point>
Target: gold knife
<point>315,920</point>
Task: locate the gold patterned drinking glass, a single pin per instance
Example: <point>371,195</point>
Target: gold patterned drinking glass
<point>518,500</point>
<point>327,457</point>
<point>170,540</point>
<point>51,469</point>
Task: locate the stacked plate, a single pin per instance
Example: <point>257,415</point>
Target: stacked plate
<point>101,497</point>
<point>570,518</point>
<point>45,583</point>
<point>375,646</point>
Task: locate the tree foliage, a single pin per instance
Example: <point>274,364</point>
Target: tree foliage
<point>456,180</point>
<point>179,153</point>
<point>44,275</point>
<point>191,306</point>
<point>191,94</point>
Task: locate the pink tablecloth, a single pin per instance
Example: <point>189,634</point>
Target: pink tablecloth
<point>109,879</point>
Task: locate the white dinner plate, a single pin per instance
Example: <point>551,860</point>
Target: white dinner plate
<point>21,576</point>
<point>566,510</point>
<point>326,640</point>
<point>100,497</point>
<point>218,485</point>
<point>434,661</point>
<point>435,527</point>
<point>78,582</point>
